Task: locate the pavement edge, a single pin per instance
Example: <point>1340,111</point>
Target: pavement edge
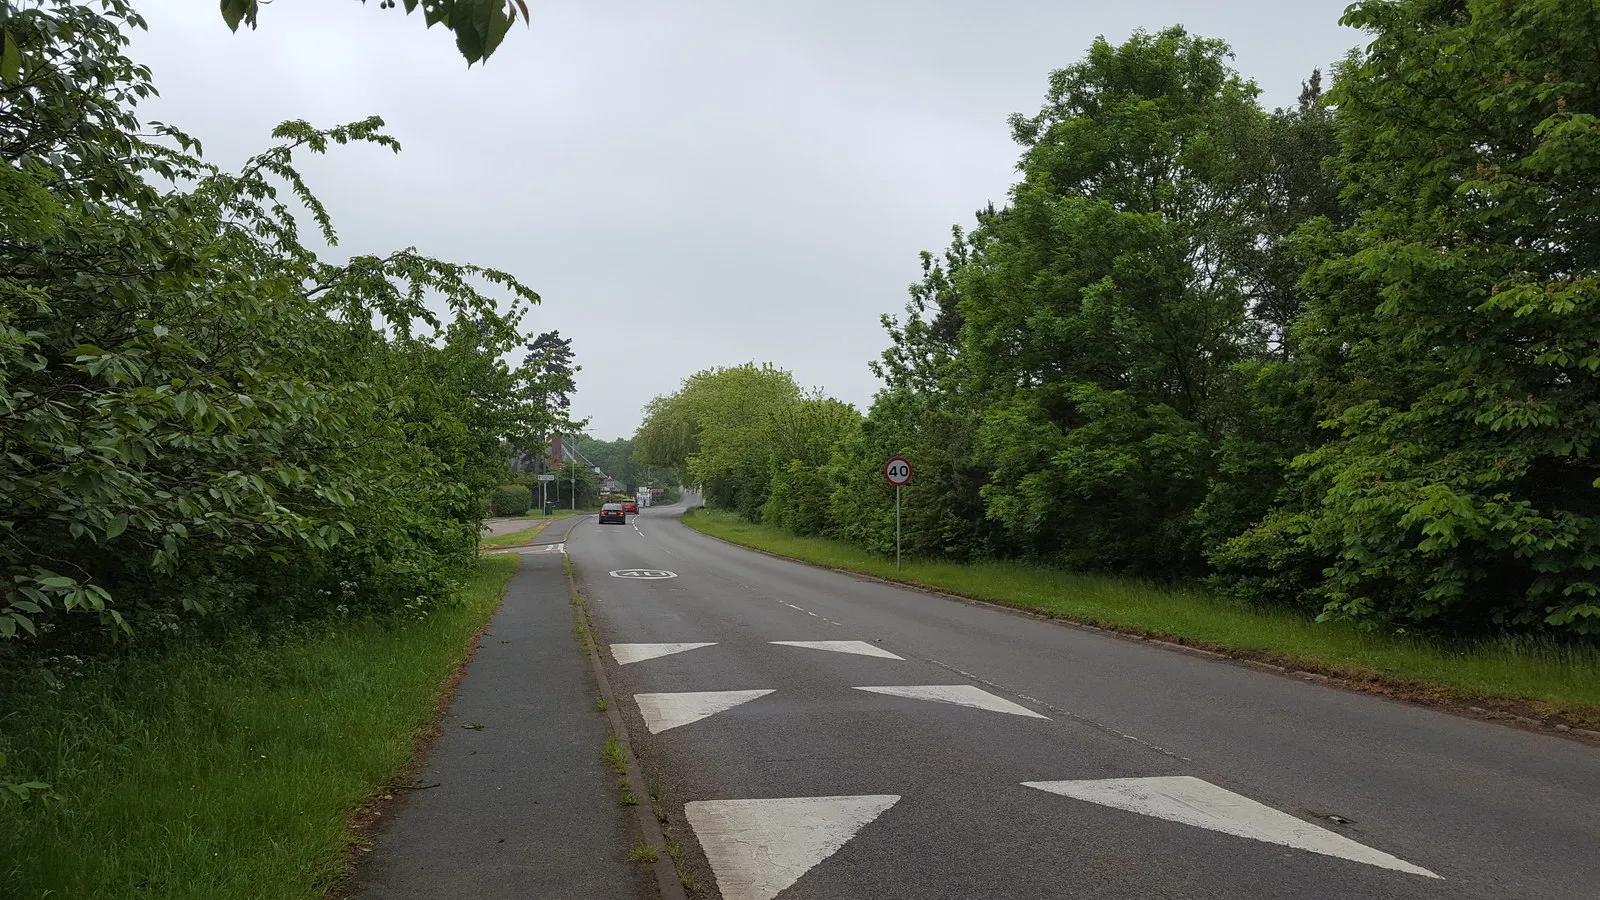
<point>667,878</point>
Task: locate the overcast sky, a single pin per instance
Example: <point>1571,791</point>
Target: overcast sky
<point>687,183</point>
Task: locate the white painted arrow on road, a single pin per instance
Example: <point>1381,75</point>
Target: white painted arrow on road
<point>861,647</point>
<point>632,653</point>
<point>959,694</point>
<point>1191,801</point>
<point>757,848</point>
<point>664,711</point>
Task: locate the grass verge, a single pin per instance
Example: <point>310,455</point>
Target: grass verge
<point>538,524</point>
<point>1520,676</point>
<point>514,538</point>
<point>226,771</point>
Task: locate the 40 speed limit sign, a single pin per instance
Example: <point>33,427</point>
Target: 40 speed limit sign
<point>897,471</point>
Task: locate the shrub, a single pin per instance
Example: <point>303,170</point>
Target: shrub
<point>511,500</point>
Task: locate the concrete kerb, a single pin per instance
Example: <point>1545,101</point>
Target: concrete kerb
<point>665,869</point>
<point>1500,717</point>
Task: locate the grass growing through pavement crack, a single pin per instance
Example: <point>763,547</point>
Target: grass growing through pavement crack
<point>658,806</point>
<point>642,852</point>
<point>601,704</point>
<point>612,754</point>
<point>580,626</point>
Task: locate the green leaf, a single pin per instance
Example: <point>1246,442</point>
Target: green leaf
<point>115,526</point>
<point>10,59</point>
<point>234,12</point>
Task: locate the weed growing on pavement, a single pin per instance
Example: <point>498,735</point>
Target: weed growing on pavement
<point>658,806</point>
<point>580,626</point>
<point>601,704</point>
<point>612,754</point>
<point>1559,679</point>
<point>227,770</point>
<point>642,853</point>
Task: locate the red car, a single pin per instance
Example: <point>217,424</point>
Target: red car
<point>630,507</point>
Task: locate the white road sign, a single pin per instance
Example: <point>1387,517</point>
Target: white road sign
<point>898,471</point>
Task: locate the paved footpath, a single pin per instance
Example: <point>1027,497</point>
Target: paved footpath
<point>523,807</point>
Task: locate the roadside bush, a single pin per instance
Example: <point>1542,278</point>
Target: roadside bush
<point>200,416</point>
<point>511,500</point>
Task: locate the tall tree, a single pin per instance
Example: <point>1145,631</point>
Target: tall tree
<point>197,413</point>
<point>1104,309</point>
<point>1452,330</point>
<point>712,429</point>
<point>551,372</point>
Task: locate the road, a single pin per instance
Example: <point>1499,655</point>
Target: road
<point>937,749</point>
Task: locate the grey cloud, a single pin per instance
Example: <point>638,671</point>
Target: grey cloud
<point>741,180</point>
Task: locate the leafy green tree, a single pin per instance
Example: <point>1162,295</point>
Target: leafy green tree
<point>800,438</point>
<point>199,415</point>
<point>923,415</point>
<point>1271,417</point>
<point>551,357</point>
<point>714,430</point>
<point>616,459</point>
<point>1451,331</point>
<point>1290,184</point>
<point>572,475</point>
<point>1110,299</point>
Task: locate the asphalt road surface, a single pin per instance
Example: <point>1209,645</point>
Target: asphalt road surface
<point>901,745</point>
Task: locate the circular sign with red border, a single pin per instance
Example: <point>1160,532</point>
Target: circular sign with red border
<point>897,471</point>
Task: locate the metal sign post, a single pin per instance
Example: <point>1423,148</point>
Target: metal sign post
<point>897,472</point>
<point>544,501</point>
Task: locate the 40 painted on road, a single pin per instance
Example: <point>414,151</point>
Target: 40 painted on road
<point>642,573</point>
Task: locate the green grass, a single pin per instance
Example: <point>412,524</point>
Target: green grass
<point>643,853</point>
<point>514,538</point>
<point>224,771</point>
<point>518,538</point>
<point>1553,679</point>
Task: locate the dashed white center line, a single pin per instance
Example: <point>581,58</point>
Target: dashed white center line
<point>810,613</point>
